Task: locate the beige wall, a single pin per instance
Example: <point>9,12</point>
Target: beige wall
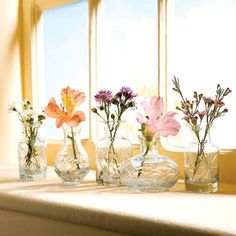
<point>10,77</point>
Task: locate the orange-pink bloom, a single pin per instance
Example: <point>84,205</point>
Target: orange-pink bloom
<point>71,99</point>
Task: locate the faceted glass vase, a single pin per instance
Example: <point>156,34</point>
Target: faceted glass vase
<point>71,163</point>
<point>149,171</point>
<point>110,154</point>
<point>201,168</point>
<point>32,156</point>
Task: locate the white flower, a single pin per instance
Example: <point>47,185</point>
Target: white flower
<point>12,107</point>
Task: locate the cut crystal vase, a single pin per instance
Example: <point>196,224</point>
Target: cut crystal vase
<point>110,154</point>
<point>201,167</point>
<point>32,155</point>
<point>149,171</point>
<point>71,163</point>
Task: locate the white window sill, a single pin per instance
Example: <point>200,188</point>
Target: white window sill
<point>46,207</point>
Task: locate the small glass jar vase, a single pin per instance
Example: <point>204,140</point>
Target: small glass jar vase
<point>110,154</point>
<point>201,167</point>
<point>71,163</point>
<point>149,171</point>
<point>32,155</point>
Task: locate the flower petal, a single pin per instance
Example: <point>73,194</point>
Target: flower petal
<point>76,119</point>
<point>60,120</point>
<point>71,98</point>
<point>155,109</point>
<point>167,125</point>
<point>157,106</point>
<point>53,110</point>
<point>147,109</point>
<point>141,119</point>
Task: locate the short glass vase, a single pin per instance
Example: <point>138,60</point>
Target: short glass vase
<point>149,171</point>
<point>32,155</point>
<point>201,167</point>
<point>71,163</point>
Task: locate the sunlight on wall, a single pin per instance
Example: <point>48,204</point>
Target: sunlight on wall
<point>10,79</point>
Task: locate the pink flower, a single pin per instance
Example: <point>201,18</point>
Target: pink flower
<point>71,99</point>
<point>201,114</point>
<point>156,121</point>
<point>219,103</point>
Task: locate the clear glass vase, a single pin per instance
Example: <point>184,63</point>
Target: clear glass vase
<point>32,155</point>
<point>149,171</point>
<point>110,154</point>
<point>71,163</point>
<point>201,167</point>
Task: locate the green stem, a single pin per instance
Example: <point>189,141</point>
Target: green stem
<point>147,142</point>
<point>111,146</point>
<point>73,146</point>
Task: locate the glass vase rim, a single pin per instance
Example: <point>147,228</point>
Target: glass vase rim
<point>64,125</point>
<point>154,138</point>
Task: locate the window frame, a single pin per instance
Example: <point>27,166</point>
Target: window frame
<point>32,34</point>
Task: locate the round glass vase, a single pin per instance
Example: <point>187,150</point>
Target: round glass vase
<point>32,155</point>
<point>201,167</point>
<point>110,154</point>
<point>149,171</point>
<point>71,163</point>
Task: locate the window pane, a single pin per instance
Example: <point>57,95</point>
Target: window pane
<point>202,49</point>
<point>128,49</point>
<point>65,59</point>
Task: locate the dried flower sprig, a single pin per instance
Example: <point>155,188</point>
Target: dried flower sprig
<point>196,118</point>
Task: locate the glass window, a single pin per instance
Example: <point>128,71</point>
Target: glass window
<point>201,52</point>
<point>128,49</point>
<point>65,57</point>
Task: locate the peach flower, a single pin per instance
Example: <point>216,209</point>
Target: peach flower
<point>71,99</point>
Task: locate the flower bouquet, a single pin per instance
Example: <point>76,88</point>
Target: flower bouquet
<point>201,158</point>
<point>150,171</point>
<point>113,148</point>
<point>71,163</point>
<point>32,149</point>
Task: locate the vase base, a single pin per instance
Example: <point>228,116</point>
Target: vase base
<point>72,177</point>
<point>72,183</point>
<point>31,176</point>
<point>197,187</point>
<point>145,186</point>
<point>109,183</point>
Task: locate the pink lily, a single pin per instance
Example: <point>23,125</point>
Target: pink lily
<point>157,122</point>
<point>71,99</point>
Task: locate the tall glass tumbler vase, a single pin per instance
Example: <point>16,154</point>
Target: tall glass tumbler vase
<point>32,154</point>
<point>110,154</point>
<point>71,163</point>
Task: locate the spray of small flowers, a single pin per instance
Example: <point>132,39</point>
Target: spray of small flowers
<point>111,109</point>
<point>201,119</point>
<point>31,121</point>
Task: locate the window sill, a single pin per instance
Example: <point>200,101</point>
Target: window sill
<point>111,211</point>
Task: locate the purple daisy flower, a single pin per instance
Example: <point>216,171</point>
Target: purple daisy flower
<point>128,93</point>
<point>103,96</point>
